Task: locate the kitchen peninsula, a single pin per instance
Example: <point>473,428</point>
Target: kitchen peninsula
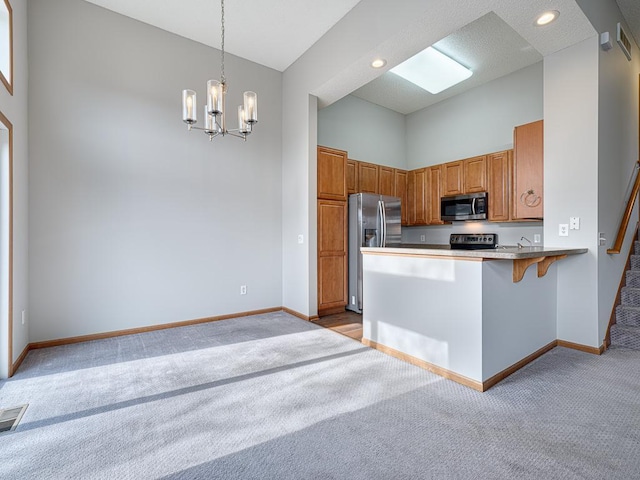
<point>471,316</point>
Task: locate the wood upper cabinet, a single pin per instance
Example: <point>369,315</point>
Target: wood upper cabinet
<point>475,174</point>
<point>400,190</point>
<point>434,182</point>
<point>499,185</point>
<point>352,176</point>
<point>332,255</point>
<point>528,163</point>
<point>386,181</point>
<point>368,177</point>
<point>416,197</point>
<point>332,169</point>
<point>452,178</point>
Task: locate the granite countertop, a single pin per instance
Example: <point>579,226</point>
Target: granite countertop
<point>499,253</point>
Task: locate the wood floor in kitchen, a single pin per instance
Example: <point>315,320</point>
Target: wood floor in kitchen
<point>347,323</point>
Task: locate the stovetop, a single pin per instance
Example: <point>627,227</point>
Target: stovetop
<point>473,241</point>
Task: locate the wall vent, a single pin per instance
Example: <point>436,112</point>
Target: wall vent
<point>624,42</point>
<point>10,417</point>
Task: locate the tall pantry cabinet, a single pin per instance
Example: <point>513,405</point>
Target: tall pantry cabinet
<point>332,230</point>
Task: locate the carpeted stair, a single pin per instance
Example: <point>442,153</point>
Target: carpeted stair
<point>626,331</point>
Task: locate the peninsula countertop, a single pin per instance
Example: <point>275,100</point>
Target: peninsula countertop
<point>499,253</point>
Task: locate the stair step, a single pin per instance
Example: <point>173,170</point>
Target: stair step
<point>633,278</point>
<point>635,262</point>
<point>625,336</point>
<point>630,296</point>
<point>629,316</point>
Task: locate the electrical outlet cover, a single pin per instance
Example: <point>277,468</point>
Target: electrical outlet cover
<point>563,230</point>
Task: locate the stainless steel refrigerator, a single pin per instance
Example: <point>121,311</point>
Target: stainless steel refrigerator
<point>374,221</point>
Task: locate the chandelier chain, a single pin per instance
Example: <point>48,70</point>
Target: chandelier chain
<point>222,79</point>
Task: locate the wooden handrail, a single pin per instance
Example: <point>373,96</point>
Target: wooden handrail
<point>627,216</point>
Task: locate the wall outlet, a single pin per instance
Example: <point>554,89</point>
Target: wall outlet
<point>602,239</point>
<point>423,238</point>
<point>243,289</point>
<point>353,299</point>
<point>563,229</point>
<point>23,316</point>
<point>536,238</point>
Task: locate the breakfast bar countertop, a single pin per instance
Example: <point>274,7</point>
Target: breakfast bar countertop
<point>498,253</point>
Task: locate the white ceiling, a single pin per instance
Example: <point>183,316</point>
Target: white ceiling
<point>487,46</point>
<point>273,33</point>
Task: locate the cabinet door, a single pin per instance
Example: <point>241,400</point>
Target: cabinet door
<point>400,190</point>
<point>452,173</point>
<point>386,181</point>
<point>499,187</point>
<point>332,169</point>
<point>411,193</point>
<point>420,198</point>
<point>332,255</point>
<point>352,176</point>
<point>475,174</point>
<point>434,181</point>
<point>528,153</point>
<point>368,177</point>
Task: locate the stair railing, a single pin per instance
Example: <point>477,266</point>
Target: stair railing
<point>624,223</point>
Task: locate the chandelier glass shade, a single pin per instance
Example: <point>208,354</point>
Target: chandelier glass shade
<point>214,109</point>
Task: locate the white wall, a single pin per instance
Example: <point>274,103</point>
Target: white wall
<point>617,147</point>
<point>475,122</point>
<point>133,220</point>
<point>369,132</point>
<point>15,109</point>
<point>571,183</point>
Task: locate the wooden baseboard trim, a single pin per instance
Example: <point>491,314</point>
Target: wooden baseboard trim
<point>583,348</point>
<point>19,360</point>
<point>498,377</point>
<point>443,372</point>
<point>150,328</point>
<point>448,374</point>
<point>330,311</point>
<point>300,315</point>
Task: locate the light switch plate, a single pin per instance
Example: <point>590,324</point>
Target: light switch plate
<point>574,223</point>
<point>300,238</point>
<point>563,230</point>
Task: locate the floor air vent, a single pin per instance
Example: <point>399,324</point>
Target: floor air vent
<point>10,417</point>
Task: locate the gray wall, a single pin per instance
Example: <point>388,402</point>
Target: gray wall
<point>367,131</point>
<point>475,122</point>
<point>617,145</point>
<point>133,220</point>
<point>15,109</point>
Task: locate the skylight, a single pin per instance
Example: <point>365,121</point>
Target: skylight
<point>432,71</point>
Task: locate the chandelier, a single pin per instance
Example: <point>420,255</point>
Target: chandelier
<point>214,111</point>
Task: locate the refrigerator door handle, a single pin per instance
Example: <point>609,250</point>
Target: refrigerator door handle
<point>380,233</point>
<point>383,213</point>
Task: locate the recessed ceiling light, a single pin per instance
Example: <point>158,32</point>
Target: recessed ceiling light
<point>378,63</point>
<point>547,17</point>
<point>432,71</point>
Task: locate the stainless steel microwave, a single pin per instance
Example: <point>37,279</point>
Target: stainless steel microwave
<point>472,206</point>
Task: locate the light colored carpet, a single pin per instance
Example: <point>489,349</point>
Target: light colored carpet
<point>274,397</point>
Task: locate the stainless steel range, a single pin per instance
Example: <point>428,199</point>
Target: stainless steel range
<point>473,241</point>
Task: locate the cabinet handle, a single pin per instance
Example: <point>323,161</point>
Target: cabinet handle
<point>530,199</point>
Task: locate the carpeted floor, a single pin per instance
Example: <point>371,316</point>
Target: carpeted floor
<point>274,397</point>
